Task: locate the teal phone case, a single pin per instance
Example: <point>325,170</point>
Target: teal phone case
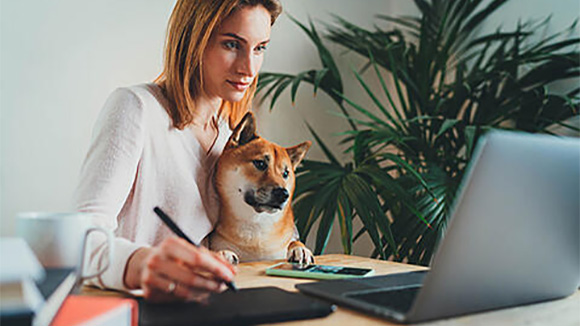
<point>313,275</point>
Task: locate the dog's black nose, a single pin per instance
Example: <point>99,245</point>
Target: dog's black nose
<point>280,194</point>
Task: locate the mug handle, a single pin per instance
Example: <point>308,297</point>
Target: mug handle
<point>109,236</point>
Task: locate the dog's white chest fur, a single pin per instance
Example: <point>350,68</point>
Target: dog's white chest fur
<point>253,240</point>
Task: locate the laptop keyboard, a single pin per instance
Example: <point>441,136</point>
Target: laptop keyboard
<point>391,281</point>
<point>399,300</point>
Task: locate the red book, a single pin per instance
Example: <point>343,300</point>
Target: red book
<point>95,311</point>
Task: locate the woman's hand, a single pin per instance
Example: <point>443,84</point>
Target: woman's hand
<point>176,270</point>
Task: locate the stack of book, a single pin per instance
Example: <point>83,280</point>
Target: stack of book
<point>20,298</point>
<point>33,296</point>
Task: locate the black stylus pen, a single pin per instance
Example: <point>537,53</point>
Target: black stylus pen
<point>173,227</point>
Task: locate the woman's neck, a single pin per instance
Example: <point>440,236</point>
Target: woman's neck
<point>205,109</point>
<point>204,126</point>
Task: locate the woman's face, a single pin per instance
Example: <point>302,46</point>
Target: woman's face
<point>235,53</point>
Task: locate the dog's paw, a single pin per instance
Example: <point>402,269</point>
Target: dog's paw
<point>300,254</point>
<point>230,256</point>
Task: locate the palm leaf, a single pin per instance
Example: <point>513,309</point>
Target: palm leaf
<point>447,87</point>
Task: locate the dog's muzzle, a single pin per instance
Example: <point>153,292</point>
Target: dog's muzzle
<point>266,200</point>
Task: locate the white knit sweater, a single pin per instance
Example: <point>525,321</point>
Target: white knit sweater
<point>137,161</point>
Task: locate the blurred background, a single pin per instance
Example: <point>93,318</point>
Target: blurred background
<point>60,59</point>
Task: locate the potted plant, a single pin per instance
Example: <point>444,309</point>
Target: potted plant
<point>445,86</point>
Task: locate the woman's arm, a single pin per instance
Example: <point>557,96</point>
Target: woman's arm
<point>107,176</point>
<point>106,182</point>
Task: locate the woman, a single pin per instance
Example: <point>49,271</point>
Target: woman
<point>156,144</point>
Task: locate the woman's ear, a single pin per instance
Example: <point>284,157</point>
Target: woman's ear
<point>297,153</point>
<point>244,132</point>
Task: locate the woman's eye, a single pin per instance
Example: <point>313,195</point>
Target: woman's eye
<point>261,48</point>
<point>260,164</point>
<point>285,174</point>
<point>231,45</point>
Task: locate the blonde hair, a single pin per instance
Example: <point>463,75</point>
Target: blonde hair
<point>191,25</point>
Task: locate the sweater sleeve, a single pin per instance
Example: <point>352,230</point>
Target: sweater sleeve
<point>106,179</point>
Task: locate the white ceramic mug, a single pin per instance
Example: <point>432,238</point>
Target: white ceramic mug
<point>61,240</point>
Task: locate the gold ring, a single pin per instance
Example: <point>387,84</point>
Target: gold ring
<point>171,287</point>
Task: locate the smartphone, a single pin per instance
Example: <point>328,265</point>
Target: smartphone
<point>317,271</point>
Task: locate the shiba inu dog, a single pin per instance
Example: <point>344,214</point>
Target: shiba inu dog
<point>255,181</point>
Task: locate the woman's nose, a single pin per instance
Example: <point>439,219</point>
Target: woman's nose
<point>248,64</point>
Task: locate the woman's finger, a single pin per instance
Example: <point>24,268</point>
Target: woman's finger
<point>175,271</point>
<point>197,257</point>
<point>156,286</point>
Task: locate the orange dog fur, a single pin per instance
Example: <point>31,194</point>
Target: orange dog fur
<point>255,181</point>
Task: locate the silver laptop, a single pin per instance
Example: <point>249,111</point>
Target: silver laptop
<point>513,238</point>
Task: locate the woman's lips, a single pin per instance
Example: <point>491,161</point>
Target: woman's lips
<point>239,85</point>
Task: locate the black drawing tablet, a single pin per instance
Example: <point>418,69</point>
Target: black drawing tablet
<point>245,307</point>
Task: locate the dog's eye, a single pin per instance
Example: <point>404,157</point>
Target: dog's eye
<point>260,164</point>
<point>285,174</point>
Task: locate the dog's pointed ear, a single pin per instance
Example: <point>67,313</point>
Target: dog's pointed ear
<point>297,153</point>
<point>244,132</point>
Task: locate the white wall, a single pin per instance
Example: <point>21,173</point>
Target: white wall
<point>60,59</point>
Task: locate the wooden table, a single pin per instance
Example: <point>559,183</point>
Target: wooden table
<point>560,312</point>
